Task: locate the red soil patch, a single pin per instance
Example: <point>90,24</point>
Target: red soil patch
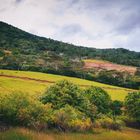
<point>109,66</point>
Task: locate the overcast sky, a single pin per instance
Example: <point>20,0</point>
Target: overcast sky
<point>92,23</point>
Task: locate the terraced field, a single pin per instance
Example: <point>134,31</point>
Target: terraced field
<point>36,83</point>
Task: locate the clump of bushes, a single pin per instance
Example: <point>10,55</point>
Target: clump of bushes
<point>22,109</point>
<point>69,118</point>
<point>66,107</point>
<point>109,123</point>
<point>66,93</point>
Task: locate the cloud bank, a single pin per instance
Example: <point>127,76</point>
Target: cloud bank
<point>92,23</point>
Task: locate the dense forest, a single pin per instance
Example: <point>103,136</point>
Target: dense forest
<point>20,50</point>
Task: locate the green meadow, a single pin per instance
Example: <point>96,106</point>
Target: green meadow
<point>31,86</point>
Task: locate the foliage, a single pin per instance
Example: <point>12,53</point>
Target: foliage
<point>22,109</point>
<point>122,79</point>
<point>100,98</point>
<point>63,93</point>
<point>129,121</point>
<point>116,107</point>
<point>132,104</point>
<point>14,38</point>
<point>69,118</point>
<point>66,107</point>
<point>109,123</point>
<point>66,93</point>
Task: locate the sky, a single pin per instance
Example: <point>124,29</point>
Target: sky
<point>90,23</point>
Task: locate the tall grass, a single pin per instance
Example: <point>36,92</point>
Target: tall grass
<point>25,134</point>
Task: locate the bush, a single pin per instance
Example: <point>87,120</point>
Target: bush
<point>132,105</point>
<point>109,123</point>
<point>99,98</point>
<point>66,93</point>
<point>22,109</point>
<point>130,122</point>
<point>70,119</point>
<point>63,93</point>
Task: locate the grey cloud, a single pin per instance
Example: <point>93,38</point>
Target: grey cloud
<point>98,23</point>
<point>18,1</point>
<point>129,24</point>
<point>71,29</point>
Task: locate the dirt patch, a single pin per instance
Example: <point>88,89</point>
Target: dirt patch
<point>26,78</point>
<point>109,66</point>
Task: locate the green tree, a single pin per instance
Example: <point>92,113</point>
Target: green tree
<point>132,104</point>
<point>63,93</point>
<point>116,107</point>
<point>66,93</point>
<point>99,98</point>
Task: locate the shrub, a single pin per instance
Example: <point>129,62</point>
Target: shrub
<point>130,122</point>
<point>99,98</point>
<point>132,105</point>
<point>66,93</point>
<point>22,109</point>
<point>109,123</point>
<point>70,119</point>
<point>63,93</point>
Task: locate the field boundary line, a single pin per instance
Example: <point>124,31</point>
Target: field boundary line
<point>52,82</point>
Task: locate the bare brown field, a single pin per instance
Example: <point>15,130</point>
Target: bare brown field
<point>100,64</point>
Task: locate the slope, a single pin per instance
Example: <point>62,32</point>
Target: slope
<point>36,83</point>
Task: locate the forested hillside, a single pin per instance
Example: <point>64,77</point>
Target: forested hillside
<point>20,50</point>
<point>22,42</point>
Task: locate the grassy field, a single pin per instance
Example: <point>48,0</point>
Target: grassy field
<point>9,84</point>
<point>25,134</point>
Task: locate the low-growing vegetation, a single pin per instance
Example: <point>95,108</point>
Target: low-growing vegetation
<point>26,134</point>
<point>66,107</point>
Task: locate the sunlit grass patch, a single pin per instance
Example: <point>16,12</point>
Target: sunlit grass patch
<point>8,85</point>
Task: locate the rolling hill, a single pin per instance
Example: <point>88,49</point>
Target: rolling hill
<point>20,50</point>
<point>21,42</point>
